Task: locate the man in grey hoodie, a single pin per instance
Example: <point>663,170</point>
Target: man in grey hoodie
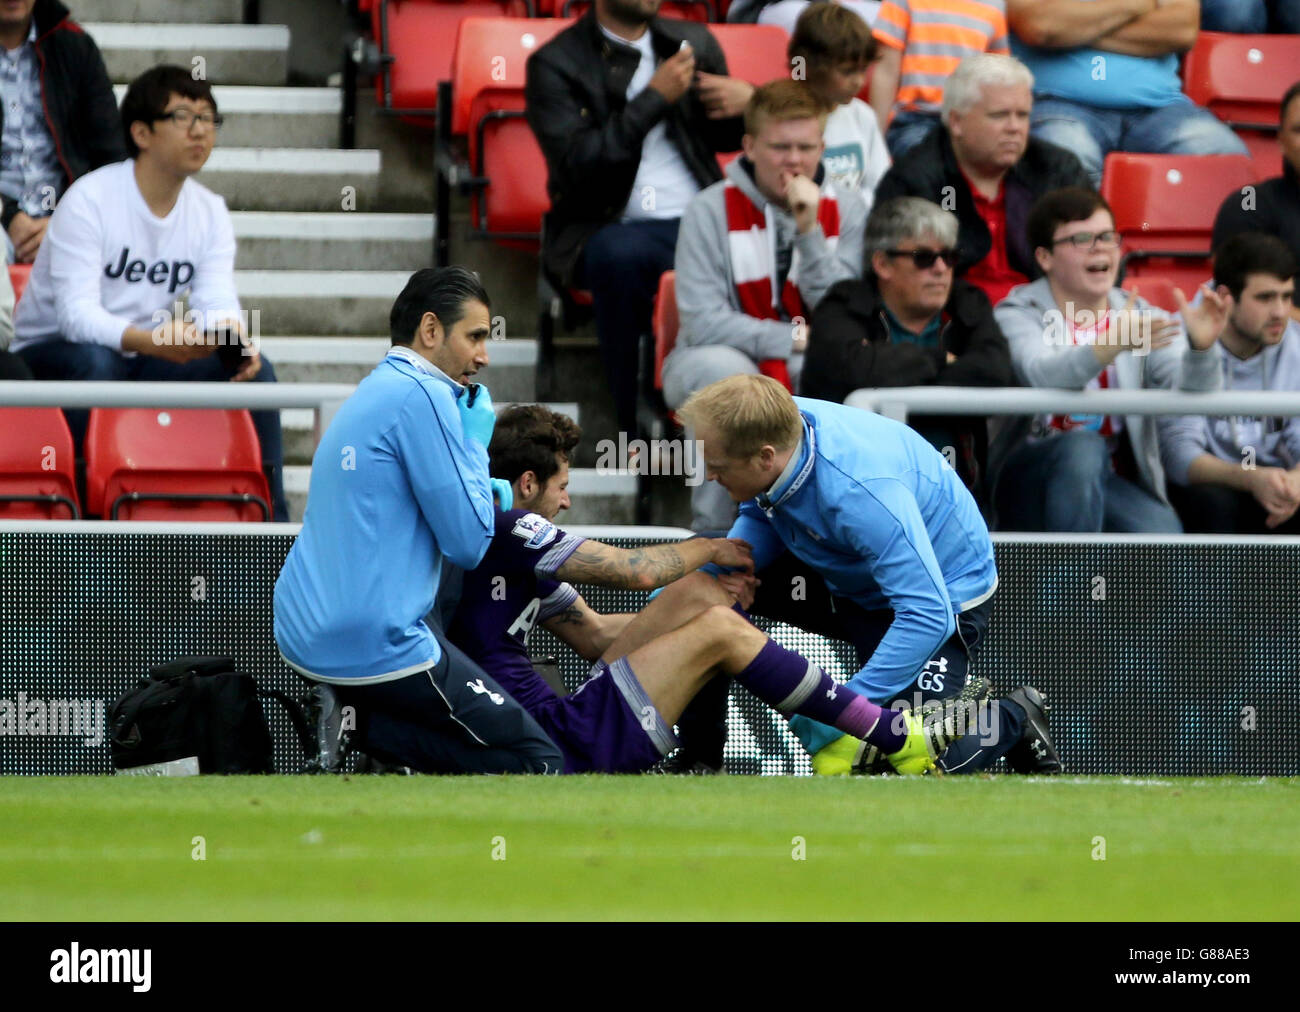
<point>755,254</point>
<point>1074,329</point>
<point>1241,475</point>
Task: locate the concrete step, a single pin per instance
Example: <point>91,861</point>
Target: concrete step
<point>293,179</point>
<point>509,377</point>
<point>212,12</point>
<point>298,426</point>
<point>224,54</point>
<point>320,302</point>
<point>332,302</point>
<point>260,117</point>
<point>345,240</point>
<point>597,498</point>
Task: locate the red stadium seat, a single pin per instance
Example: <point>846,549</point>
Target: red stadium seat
<point>37,466</point>
<point>1241,79</point>
<point>1164,208</point>
<point>1159,289</point>
<point>487,88</point>
<point>666,323</point>
<point>174,464</point>
<point>755,53</point>
<point>18,277</point>
<point>411,35</point>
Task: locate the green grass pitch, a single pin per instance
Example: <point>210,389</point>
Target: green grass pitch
<point>434,848</point>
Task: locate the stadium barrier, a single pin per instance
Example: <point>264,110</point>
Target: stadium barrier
<point>1162,655</point>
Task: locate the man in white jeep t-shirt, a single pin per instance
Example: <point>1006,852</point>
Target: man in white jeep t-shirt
<point>126,244</point>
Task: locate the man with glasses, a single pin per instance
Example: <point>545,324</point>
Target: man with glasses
<point>1074,329</point>
<point>59,117</point>
<point>982,165</point>
<point>907,322</point>
<point>126,246</point>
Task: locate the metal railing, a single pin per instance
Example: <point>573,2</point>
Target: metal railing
<point>323,398</point>
<point>898,402</point>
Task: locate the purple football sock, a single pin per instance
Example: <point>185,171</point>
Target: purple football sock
<point>790,683</point>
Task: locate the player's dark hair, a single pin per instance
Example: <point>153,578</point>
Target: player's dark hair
<point>1250,253</point>
<point>1292,93</point>
<point>442,291</point>
<point>527,437</point>
<point>1057,207</point>
<point>147,97</point>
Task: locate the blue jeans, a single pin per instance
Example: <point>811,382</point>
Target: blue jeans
<point>1065,483</point>
<point>68,360</point>
<point>908,129</point>
<point>621,264</point>
<point>1182,128</point>
<point>1245,17</point>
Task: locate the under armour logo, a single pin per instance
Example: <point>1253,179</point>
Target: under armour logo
<point>483,690</point>
<point>830,693</point>
<point>1040,750</point>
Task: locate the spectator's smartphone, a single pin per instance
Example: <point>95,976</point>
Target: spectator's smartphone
<point>230,349</point>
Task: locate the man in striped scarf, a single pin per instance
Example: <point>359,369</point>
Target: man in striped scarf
<point>755,254</point>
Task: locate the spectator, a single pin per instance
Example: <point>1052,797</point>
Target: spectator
<point>59,116</point>
<point>1272,206</point>
<point>1241,475</point>
<point>756,254</point>
<point>907,322</point>
<point>1251,17</point>
<point>924,41</point>
<point>982,164</point>
<point>1073,329</point>
<point>125,244</point>
<point>1106,78</point>
<point>628,140</point>
<point>833,49</point>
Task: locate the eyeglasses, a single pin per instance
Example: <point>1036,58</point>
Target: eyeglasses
<point>1090,240</point>
<point>925,258</point>
<point>184,118</point>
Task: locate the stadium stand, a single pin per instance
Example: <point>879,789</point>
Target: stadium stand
<point>37,466</point>
<point>1241,79</point>
<point>1164,208</point>
<point>182,464</point>
<point>504,173</point>
<point>408,68</point>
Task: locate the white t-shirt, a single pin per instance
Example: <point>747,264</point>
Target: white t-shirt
<point>856,157</point>
<point>107,262</point>
<point>664,184</point>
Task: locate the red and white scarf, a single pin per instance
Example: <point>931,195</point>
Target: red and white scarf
<point>751,243</point>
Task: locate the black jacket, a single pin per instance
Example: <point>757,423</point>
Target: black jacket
<point>1275,210</point>
<point>80,109</point>
<point>931,165</point>
<point>576,95</point>
<point>850,347</point>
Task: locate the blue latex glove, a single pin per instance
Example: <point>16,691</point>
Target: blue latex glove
<point>477,416</point>
<point>504,493</point>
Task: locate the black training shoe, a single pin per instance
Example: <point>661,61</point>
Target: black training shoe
<point>1034,752</point>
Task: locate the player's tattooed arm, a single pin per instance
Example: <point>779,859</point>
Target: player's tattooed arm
<point>586,631</point>
<point>652,566</point>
